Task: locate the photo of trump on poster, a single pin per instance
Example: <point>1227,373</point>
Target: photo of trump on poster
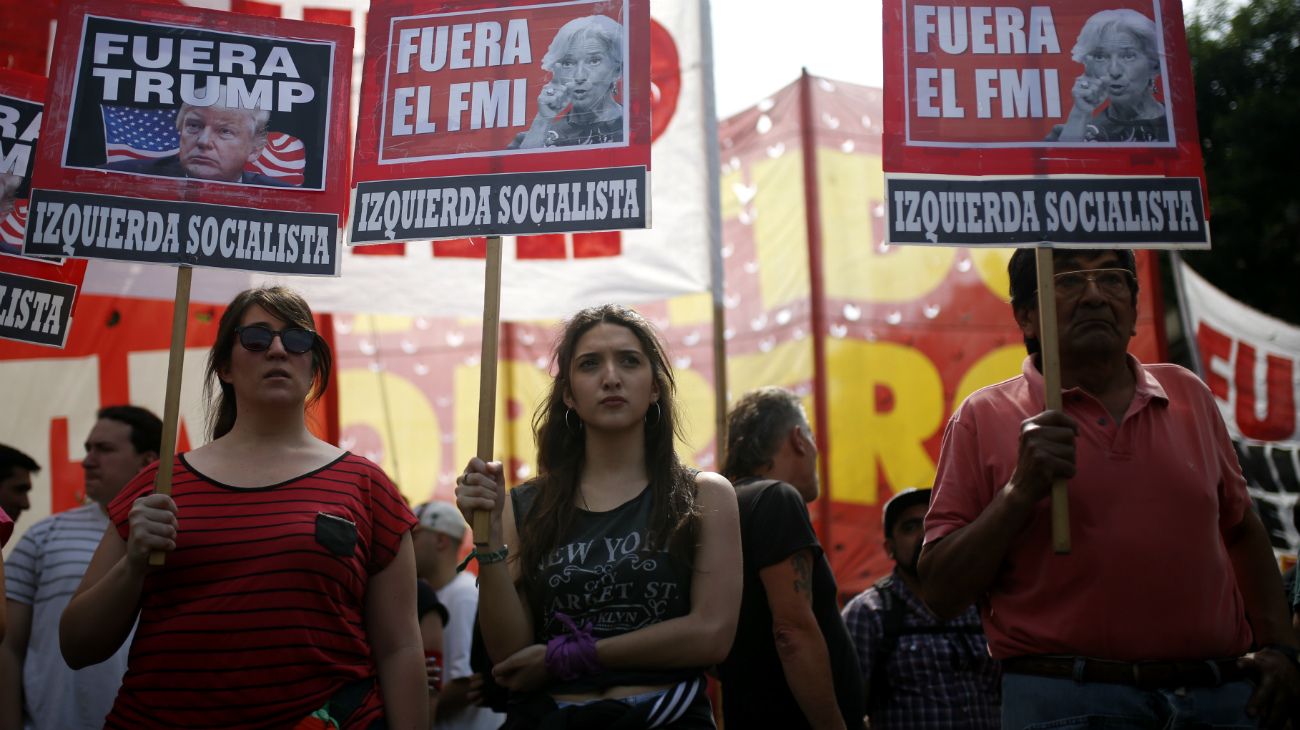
<point>215,142</point>
<point>181,102</point>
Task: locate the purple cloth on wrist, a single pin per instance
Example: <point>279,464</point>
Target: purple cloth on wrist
<point>573,654</point>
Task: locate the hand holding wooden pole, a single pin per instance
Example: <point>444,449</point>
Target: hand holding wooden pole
<point>172,405</point>
<point>487,384</point>
<point>1050,348</point>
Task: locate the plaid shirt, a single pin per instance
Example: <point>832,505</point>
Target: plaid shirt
<point>936,680</point>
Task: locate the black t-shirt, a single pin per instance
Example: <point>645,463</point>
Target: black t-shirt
<point>426,600</point>
<point>607,572</point>
<point>774,525</point>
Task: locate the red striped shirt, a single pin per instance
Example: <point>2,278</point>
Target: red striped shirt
<point>254,621</point>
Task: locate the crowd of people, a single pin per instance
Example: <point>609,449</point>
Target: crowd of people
<point>285,583</point>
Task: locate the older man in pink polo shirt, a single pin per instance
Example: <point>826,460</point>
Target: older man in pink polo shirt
<point>1169,610</point>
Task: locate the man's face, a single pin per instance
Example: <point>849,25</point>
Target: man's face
<point>1091,321</point>
<point>905,544</point>
<point>216,142</point>
<point>429,545</point>
<point>809,484</point>
<point>13,492</point>
<point>111,460</point>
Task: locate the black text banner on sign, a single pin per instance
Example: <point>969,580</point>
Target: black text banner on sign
<point>1045,123</point>
<point>35,310</point>
<point>37,294</point>
<point>193,234</point>
<point>519,204</point>
<point>1081,212</point>
<point>502,118</point>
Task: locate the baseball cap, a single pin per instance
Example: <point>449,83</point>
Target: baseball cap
<point>899,503</point>
<point>441,516</point>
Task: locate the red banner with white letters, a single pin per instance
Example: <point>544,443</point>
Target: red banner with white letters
<point>1041,122</point>
<point>503,118</point>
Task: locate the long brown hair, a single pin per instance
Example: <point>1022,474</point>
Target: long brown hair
<point>285,304</point>
<point>561,452</point>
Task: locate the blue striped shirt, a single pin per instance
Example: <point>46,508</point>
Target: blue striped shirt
<point>43,572</point>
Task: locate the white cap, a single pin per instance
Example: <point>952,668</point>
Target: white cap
<point>443,517</point>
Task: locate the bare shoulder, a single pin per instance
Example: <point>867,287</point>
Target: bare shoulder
<point>713,490</point>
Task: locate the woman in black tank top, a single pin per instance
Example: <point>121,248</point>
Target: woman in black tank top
<point>622,581</point>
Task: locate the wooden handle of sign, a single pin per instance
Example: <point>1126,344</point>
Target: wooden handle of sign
<point>172,405</point>
<point>487,383</point>
<point>1051,354</point>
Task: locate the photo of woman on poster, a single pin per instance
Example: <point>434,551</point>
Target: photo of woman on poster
<point>585,61</point>
<point>1115,98</point>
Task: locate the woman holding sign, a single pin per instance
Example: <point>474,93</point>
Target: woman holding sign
<point>585,61</point>
<point>1120,53</point>
<point>288,595</point>
<point>611,580</point>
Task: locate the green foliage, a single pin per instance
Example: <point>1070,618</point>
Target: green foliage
<point>1246,64</point>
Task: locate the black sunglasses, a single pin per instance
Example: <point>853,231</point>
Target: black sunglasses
<point>258,338</point>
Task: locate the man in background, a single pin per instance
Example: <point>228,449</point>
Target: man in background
<point>792,662</point>
<point>16,470</point>
<point>44,571</point>
<point>920,672</point>
<point>437,537</point>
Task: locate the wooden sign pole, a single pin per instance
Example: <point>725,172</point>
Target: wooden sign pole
<point>487,383</point>
<point>172,404</point>
<point>1051,355</point>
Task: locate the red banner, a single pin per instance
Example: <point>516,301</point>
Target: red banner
<point>557,94</point>
<point>996,114</point>
<point>227,131</point>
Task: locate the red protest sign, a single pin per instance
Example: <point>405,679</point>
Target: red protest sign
<point>227,130</point>
<point>555,93</point>
<point>981,95</point>
<point>37,295</point>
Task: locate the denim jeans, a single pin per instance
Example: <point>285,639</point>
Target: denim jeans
<point>1031,703</point>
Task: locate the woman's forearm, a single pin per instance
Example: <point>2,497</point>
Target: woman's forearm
<point>501,612</point>
<point>405,688</point>
<point>690,641</point>
<point>101,614</point>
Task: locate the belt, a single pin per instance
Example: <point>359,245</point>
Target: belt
<point>1146,675</point>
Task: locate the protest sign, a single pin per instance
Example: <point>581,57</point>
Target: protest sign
<point>1251,364</point>
<point>229,132</point>
<point>523,119</point>
<point>36,294</point>
<point>1042,122</point>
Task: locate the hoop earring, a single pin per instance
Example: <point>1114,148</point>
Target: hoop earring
<point>569,426</point>
<point>659,415</point>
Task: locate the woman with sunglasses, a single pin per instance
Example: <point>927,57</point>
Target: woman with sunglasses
<point>611,580</point>
<point>287,599</point>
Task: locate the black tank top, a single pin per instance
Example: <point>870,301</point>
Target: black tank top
<point>605,572</point>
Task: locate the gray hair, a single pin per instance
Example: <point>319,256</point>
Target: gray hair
<point>1142,28</point>
<point>755,427</point>
<point>602,27</point>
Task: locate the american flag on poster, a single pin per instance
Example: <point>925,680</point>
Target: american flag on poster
<point>283,158</point>
<point>133,133</point>
<point>11,228</point>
